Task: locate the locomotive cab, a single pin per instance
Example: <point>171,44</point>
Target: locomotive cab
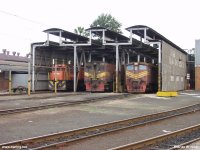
<point>58,72</point>
<point>98,77</point>
<point>141,77</point>
<point>64,75</point>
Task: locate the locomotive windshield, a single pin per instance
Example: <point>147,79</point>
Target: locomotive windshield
<point>142,67</point>
<point>101,68</point>
<point>58,69</point>
<point>130,67</point>
<point>88,68</point>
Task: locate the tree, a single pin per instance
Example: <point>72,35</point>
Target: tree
<point>81,31</point>
<point>107,21</point>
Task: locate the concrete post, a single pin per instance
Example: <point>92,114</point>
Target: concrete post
<point>29,78</point>
<point>10,81</point>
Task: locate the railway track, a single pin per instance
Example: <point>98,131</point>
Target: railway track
<point>61,104</point>
<point>171,141</point>
<point>67,138</point>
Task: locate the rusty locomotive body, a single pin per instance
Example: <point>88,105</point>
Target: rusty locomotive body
<point>63,75</point>
<point>99,77</point>
<point>137,77</point>
<point>141,77</point>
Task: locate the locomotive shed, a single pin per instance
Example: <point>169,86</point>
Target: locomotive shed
<point>114,48</point>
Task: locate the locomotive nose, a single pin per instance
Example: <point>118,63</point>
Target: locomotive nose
<point>94,86</point>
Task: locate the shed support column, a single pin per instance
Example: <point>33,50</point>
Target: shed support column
<point>47,38</point>
<point>117,68</point>
<point>75,58</point>
<point>84,59</point>
<point>123,58</point>
<point>159,67</point>
<point>103,59</point>
<point>144,59</point>
<point>153,61</point>
<point>33,70</point>
<point>128,58</point>
<point>138,58</point>
<point>90,57</point>
<point>10,81</point>
<point>56,81</point>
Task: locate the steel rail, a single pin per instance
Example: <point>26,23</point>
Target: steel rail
<point>70,137</point>
<point>153,143</point>
<point>60,104</point>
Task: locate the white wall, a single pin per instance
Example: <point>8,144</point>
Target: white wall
<point>19,80</point>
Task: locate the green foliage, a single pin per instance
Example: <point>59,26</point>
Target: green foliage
<point>81,31</point>
<point>107,21</point>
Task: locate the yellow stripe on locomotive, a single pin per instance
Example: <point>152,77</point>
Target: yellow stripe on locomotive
<point>137,75</point>
<point>141,77</point>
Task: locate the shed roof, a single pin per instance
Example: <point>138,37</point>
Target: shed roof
<point>108,33</point>
<point>66,34</point>
<point>137,46</point>
<point>152,34</point>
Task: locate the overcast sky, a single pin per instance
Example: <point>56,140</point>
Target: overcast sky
<point>22,21</point>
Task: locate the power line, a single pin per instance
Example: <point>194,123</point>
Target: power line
<point>23,18</point>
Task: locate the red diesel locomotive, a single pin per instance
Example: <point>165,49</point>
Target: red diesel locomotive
<point>64,75</point>
<point>141,77</point>
<point>98,77</point>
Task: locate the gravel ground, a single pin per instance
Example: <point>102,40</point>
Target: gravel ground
<point>36,123</point>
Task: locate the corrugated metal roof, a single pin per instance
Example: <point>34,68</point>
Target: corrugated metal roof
<point>13,58</point>
<point>13,63</point>
<point>152,34</point>
<point>108,33</point>
<point>14,68</point>
<point>66,34</point>
<point>137,46</point>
